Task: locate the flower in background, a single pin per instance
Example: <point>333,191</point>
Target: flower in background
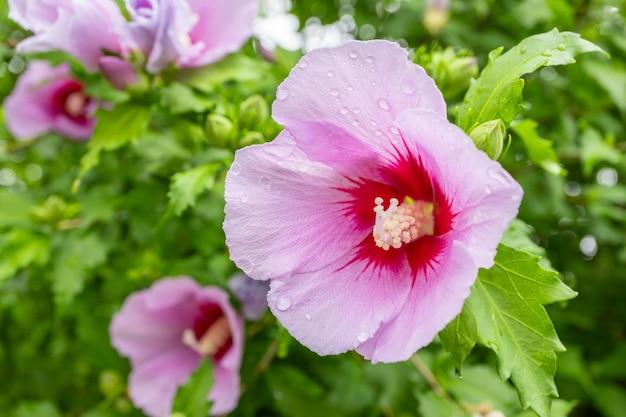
<point>251,293</point>
<point>189,33</point>
<point>86,29</point>
<point>166,331</point>
<point>47,99</point>
<point>370,213</point>
<point>436,15</point>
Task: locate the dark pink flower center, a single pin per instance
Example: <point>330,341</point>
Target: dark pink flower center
<point>417,214</point>
<point>210,334</point>
<point>70,100</point>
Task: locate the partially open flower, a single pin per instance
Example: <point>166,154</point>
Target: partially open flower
<point>370,213</point>
<point>166,331</point>
<point>189,33</point>
<point>47,99</point>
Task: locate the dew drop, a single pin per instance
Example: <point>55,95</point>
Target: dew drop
<point>330,74</point>
<point>244,198</point>
<point>343,110</point>
<point>523,50</point>
<point>408,89</point>
<point>546,54</point>
<point>394,130</point>
<point>377,132</point>
<point>282,94</point>
<point>373,83</point>
<point>349,88</point>
<point>356,110</point>
<point>369,59</point>
<point>362,337</point>
<point>334,92</point>
<point>283,303</point>
<point>488,190</point>
<point>307,316</point>
<point>372,69</point>
<point>303,64</point>
<point>383,104</point>
<point>561,47</point>
<point>353,55</point>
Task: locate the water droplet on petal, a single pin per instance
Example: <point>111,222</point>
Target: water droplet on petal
<point>369,59</point>
<point>546,53</point>
<point>383,104</point>
<point>394,130</point>
<point>561,47</point>
<point>373,83</point>
<point>282,94</point>
<point>349,88</point>
<point>356,110</point>
<point>283,303</point>
<point>488,190</point>
<point>408,89</point>
<point>377,132</point>
<point>344,110</point>
<point>303,64</point>
<point>330,74</point>
<point>308,317</point>
<point>244,198</point>
<point>353,55</point>
<point>362,337</point>
<point>334,92</point>
<point>497,174</point>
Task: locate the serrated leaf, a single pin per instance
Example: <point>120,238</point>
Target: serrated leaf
<point>20,248</point>
<point>192,399</point>
<point>75,260</point>
<point>186,186</point>
<point>115,128</point>
<point>459,337</point>
<point>507,304</point>
<point>539,150</point>
<point>496,93</point>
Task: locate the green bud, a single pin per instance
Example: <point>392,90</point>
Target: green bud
<point>251,138</point>
<point>53,211</point>
<point>123,406</point>
<point>220,130</point>
<point>452,71</point>
<point>253,111</point>
<point>110,383</point>
<point>489,137</point>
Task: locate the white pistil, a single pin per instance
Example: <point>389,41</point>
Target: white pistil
<point>212,340</point>
<point>401,224</point>
<point>75,104</point>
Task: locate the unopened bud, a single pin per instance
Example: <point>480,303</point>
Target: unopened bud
<point>110,383</point>
<point>251,138</point>
<point>220,130</point>
<point>253,111</point>
<point>489,137</point>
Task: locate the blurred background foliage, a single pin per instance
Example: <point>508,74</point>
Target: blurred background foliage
<point>76,236</point>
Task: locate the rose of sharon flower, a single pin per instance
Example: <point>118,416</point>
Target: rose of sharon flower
<point>166,330</point>
<point>85,29</point>
<point>370,212</point>
<point>189,33</point>
<point>252,295</point>
<point>47,99</point>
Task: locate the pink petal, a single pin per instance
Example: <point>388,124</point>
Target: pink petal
<point>338,307</point>
<point>120,73</point>
<point>153,384</point>
<point>437,296</point>
<point>225,391</point>
<point>284,212</point>
<point>223,27</point>
<point>348,98</point>
<point>483,195</point>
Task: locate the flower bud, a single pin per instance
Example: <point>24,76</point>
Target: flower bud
<point>220,130</point>
<point>452,71</point>
<point>253,111</point>
<point>251,138</point>
<point>110,383</point>
<point>489,137</point>
<point>436,15</point>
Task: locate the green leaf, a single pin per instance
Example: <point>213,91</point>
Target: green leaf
<point>507,304</point>
<point>459,337</point>
<point>39,409</point>
<point>596,149</point>
<point>518,236</point>
<point>610,398</point>
<point>497,92</point>
<point>234,67</point>
<point>431,405</point>
<point>560,408</point>
<point>115,128</point>
<point>186,186</point>
<point>20,248</point>
<point>540,150</point>
<point>76,258</point>
<point>610,77</point>
<point>192,399</point>
<point>178,98</point>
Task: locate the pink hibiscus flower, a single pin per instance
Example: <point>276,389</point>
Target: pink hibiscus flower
<point>370,213</point>
<point>47,99</point>
<point>166,331</point>
<point>190,33</point>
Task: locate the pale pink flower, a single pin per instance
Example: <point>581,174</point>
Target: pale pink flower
<point>166,331</point>
<point>370,213</point>
<point>189,33</point>
<point>47,99</point>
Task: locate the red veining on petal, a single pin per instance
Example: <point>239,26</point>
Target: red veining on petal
<point>409,175</point>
